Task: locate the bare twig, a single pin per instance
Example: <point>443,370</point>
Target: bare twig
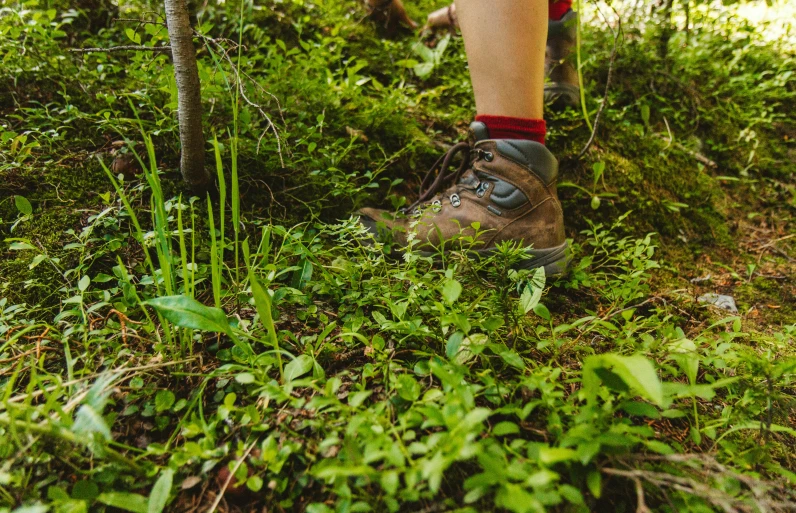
<point>141,22</point>
<point>765,496</point>
<point>696,155</point>
<point>231,476</point>
<point>242,90</point>
<point>617,35</point>
<point>123,48</point>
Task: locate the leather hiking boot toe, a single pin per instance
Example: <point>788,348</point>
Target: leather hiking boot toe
<point>506,186</point>
<point>563,88</point>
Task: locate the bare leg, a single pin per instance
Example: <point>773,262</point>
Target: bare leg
<point>505,43</point>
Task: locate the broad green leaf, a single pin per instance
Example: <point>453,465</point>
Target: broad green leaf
<point>23,205</point>
<point>131,502</point>
<point>595,483</point>
<point>637,372</point>
<point>262,301</point>
<point>453,344</point>
<point>20,246</point>
<point>164,400</point>
<point>85,490</point>
<point>187,312</point>
<point>407,387</point>
<point>451,291</point>
<point>298,367</point>
<point>552,455</point>
<point>542,311</point>
<point>645,114</point>
<point>513,359</point>
<point>302,275</point>
<point>468,349</point>
<point>254,483</point>
<point>160,492</point>
<point>424,69</point>
<point>245,378</point>
<point>84,282</point>
<point>532,292</point>
<point>516,499</point>
<point>32,508</point>
<point>505,428</point>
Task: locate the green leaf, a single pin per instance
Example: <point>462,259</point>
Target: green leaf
<point>263,303</point>
<point>85,490</point>
<point>552,455</point>
<point>160,492</point>
<point>164,400</point>
<point>595,483</point>
<point>637,372</point>
<point>505,428</point>
<point>89,422</point>
<point>20,246</point>
<point>423,70</point>
<point>23,205</point>
<point>645,114</point>
<point>408,389</point>
<point>513,359</point>
<point>254,483</point>
<point>532,292</point>
<point>125,501</point>
<point>32,508</point>
<point>245,378</point>
<point>186,312</point>
<point>451,291</point>
<point>302,275</point>
<point>514,498</point>
<point>453,344</point>
<point>298,367</point>
<point>133,36</point>
<point>542,311</point>
<point>84,282</point>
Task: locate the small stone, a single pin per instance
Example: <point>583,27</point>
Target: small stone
<point>719,301</point>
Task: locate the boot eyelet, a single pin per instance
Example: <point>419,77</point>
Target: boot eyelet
<point>482,188</point>
<point>436,205</point>
<point>455,200</point>
<point>488,156</point>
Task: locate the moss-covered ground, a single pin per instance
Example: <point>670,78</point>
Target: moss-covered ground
<point>390,393</point>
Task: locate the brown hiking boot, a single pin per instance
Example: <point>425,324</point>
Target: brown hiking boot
<point>390,13</point>
<point>563,88</point>
<point>507,186</point>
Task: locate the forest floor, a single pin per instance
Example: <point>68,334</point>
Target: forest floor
<point>161,351</point>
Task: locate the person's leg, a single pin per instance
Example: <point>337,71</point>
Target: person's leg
<point>505,44</point>
<point>562,89</point>
<point>504,190</point>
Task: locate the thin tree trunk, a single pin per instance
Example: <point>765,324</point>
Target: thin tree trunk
<point>189,98</point>
<point>667,28</point>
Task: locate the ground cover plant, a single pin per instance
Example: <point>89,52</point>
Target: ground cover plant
<point>249,350</point>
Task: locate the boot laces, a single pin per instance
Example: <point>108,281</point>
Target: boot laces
<point>429,188</point>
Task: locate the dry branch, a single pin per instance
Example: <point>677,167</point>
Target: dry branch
<point>123,48</point>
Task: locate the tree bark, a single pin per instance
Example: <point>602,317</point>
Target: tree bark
<point>189,98</point>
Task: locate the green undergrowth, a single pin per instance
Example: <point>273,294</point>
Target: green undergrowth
<point>161,351</point>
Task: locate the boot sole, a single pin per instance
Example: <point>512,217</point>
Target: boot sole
<point>554,260</point>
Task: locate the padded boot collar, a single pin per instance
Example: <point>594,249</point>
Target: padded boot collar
<point>531,155</point>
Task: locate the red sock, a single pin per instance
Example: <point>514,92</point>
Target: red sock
<point>558,8</point>
<point>505,127</point>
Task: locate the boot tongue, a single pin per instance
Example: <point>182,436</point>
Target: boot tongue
<point>478,132</point>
